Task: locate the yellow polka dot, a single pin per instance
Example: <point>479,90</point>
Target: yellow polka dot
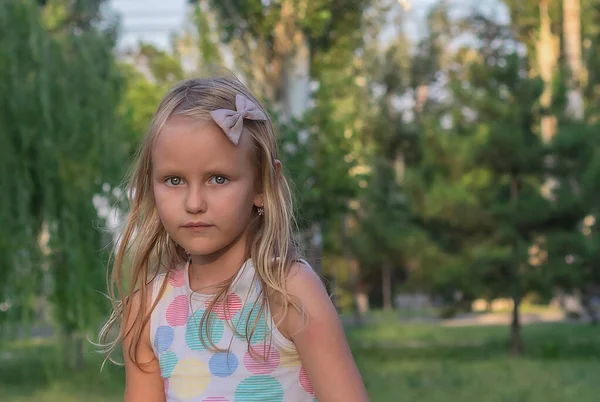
<point>168,289</point>
<point>289,360</point>
<point>190,378</point>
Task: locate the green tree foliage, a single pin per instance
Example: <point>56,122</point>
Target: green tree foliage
<point>573,243</point>
<point>62,146</point>
<point>148,75</point>
<point>319,148</point>
<point>477,187</point>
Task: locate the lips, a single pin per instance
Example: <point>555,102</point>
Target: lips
<point>197,225</point>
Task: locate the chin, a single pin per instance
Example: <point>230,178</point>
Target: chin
<point>206,248</point>
<point>209,245</point>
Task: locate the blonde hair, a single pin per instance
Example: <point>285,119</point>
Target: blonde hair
<point>145,243</point>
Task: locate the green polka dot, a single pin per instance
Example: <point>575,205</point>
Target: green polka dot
<point>193,335</point>
<point>259,388</point>
<point>245,320</point>
<point>167,362</point>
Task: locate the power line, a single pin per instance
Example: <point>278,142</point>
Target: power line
<point>149,28</point>
<point>150,13</point>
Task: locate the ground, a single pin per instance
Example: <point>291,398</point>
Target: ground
<point>399,362</point>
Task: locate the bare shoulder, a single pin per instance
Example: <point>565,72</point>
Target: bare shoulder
<point>136,305</point>
<point>142,370</point>
<point>317,332</point>
<point>306,289</point>
<point>302,280</point>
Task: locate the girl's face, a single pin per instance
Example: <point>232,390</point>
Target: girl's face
<point>204,185</point>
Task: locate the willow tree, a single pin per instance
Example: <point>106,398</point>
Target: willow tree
<point>61,149</point>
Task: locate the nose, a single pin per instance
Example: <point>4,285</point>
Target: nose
<point>195,201</point>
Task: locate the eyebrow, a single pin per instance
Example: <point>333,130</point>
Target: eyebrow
<point>209,171</point>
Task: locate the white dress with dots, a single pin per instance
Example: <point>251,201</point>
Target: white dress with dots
<point>191,372</point>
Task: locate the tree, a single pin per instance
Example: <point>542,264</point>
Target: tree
<point>148,74</point>
<point>572,49</point>
<point>63,150</point>
<point>400,76</point>
<point>574,247</point>
<point>283,49</point>
<point>476,187</point>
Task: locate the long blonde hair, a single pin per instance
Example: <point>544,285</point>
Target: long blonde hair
<point>148,250</point>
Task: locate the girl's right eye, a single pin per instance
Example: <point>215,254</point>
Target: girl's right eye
<point>174,181</point>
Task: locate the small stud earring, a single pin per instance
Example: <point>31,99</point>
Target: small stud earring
<point>261,211</point>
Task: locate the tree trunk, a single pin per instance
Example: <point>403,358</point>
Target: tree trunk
<point>589,309</point>
<point>314,246</point>
<point>548,49</point>
<point>516,344</point>
<point>73,350</point>
<point>547,54</point>
<point>572,46</point>
<point>516,347</point>
<point>296,78</point>
<point>292,63</point>
<point>386,286</point>
<point>357,312</point>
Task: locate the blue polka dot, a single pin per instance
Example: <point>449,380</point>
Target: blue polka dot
<point>259,388</point>
<point>223,364</point>
<point>245,320</point>
<point>167,361</point>
<point>195,338</point>
<point>163,338</point>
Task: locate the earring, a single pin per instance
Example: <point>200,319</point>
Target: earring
<point>261,211</point>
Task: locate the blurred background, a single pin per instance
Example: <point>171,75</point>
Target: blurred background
<point>446,161</point>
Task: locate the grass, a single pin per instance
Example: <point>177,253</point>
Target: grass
<point>399,362</point>
<point>433,363</point>
<point>29,372</point>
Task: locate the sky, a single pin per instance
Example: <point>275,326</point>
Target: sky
<point>154,20</point>
<point>149,20</point>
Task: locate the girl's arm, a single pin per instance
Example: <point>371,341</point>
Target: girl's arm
<point>145,384</point>
<point>320,340</point>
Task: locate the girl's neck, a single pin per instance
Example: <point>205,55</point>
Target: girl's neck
<point>210,271</point>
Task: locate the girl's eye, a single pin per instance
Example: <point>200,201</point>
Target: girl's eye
<point>219,180</point>
<point>174,181</point>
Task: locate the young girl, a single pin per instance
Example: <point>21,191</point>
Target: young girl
<point>220,307</point>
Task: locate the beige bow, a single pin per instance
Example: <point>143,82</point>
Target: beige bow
<point>232,121</point>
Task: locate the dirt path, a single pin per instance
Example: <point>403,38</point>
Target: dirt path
<point>504,319</point>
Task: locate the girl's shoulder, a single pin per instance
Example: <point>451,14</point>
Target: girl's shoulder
<point>302,280</point>
<point>308,293</point>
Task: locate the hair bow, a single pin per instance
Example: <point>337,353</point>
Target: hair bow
<point>232,121</point>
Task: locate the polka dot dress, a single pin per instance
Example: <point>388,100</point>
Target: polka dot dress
<point>192,371</point>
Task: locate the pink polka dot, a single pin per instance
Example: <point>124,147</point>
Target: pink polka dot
<point>215,399</point>
<point>178,310</point>
<point>305,382</point>
<point>177,278</point>
<point>166,383</point>
<point>256,363</point>
<point>228,309</point>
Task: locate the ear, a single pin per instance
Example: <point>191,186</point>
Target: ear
<point>259,198</point>
<point>278,168</point>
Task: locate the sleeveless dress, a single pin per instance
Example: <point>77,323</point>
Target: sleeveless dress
<point>270,371</point>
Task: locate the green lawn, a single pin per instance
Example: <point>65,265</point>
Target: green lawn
<point>431,363</point>
<point>399,362</point>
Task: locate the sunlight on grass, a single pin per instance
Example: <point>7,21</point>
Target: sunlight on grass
<point>423,362</point>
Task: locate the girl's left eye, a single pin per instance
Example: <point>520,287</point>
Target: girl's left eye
<point>219,180</point>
